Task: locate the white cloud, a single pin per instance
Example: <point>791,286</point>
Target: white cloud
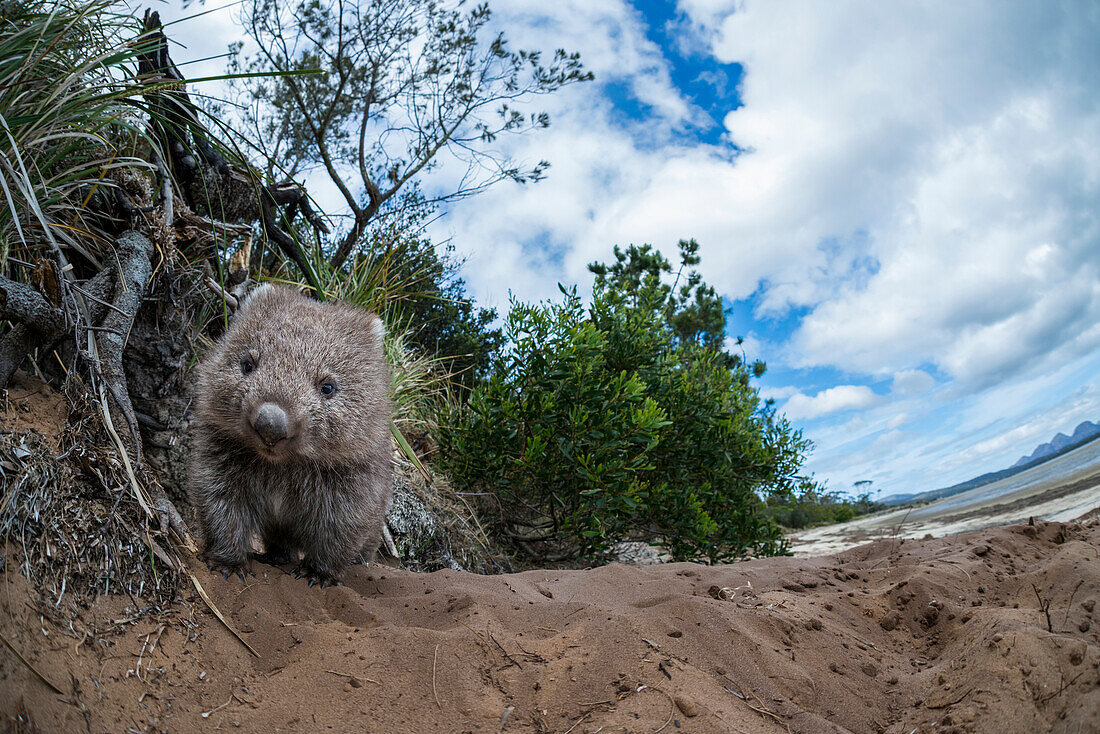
<point>897,421</point>
<point>611,38</point>
<point>949,147</point>
<point>909,382</point>
<point>778,393</point>
<point>831,400</point>
<point>923,178</point>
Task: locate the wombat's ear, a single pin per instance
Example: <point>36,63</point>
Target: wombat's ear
<point>375,328</point>
<point>254,295</point>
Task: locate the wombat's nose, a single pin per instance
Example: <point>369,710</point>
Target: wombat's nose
<point>270,423</point>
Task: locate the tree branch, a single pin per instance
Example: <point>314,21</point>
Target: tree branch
<point>269,197</point>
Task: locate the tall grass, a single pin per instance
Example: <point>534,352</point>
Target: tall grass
<point>74,130</point>
<point>69,120</point>
<point>385,279</point>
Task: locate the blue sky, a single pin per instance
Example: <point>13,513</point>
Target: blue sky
<point>899,201</point>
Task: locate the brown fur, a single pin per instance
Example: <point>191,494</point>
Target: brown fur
<point>324,489</point>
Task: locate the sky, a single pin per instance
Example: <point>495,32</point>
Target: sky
<point>899,203</point>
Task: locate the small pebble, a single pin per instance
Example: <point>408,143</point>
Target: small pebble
<point>686,705</point>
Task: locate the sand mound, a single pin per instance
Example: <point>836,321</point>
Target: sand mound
<point>894,636</point>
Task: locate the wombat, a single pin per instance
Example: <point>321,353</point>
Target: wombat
<point>291,437</point>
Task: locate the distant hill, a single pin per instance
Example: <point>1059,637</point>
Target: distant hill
<point>1060,444</point>
<point>1086,430</point>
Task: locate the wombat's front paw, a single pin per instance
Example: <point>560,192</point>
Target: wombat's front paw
<point>310,571</point>
<point>227,566</point>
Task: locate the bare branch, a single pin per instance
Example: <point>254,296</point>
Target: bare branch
<point>21,303</point>
<point>421,78</point>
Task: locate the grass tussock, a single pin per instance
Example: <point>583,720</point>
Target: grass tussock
<point>71,127</point>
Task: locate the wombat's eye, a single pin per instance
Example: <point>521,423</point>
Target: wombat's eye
<point>327,388</point>
<point>247,364</point>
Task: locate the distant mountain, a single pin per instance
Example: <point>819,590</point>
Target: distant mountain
<point>1060,444</point>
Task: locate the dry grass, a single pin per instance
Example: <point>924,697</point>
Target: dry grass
<point>71,523</point>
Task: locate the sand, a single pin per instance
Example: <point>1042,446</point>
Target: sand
<point>941,635</point>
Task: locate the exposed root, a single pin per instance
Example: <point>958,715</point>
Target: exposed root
<point>134,268</point>
<point>35,322</point>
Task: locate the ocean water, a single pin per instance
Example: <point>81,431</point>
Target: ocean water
<point>1061,470</point>
<point>1031,493</point>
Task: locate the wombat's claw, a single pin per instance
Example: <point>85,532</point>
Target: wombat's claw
<point>313,576</point>
<point>227,568</point>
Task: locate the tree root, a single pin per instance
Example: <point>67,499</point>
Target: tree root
<point>133,270</point>
<point>35,322</point>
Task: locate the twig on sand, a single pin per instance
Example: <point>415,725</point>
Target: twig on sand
<point>1065,685</point>
<point>206,714</point>
<point>582,718</point>
<point>956,563</point>
<point>34,670</point>
<point>952,702</point>
<point>1044,607</point>
<point>592,707</point>
<point>435,692</point>
<point>504,717</point>
<point>762,710</point>
<point>1069,604</point>
<point>671,710</point>
<point>217,612</point>
<point>352,676</point>
<point>514,661</point>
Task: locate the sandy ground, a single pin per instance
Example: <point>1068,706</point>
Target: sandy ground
<point>942,635</point>
<point>1059,490</point>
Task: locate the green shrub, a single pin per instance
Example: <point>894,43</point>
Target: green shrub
<point>809,505</point>
<point>619,422</point>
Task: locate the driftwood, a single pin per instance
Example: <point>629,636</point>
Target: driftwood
<point>132,271</point>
